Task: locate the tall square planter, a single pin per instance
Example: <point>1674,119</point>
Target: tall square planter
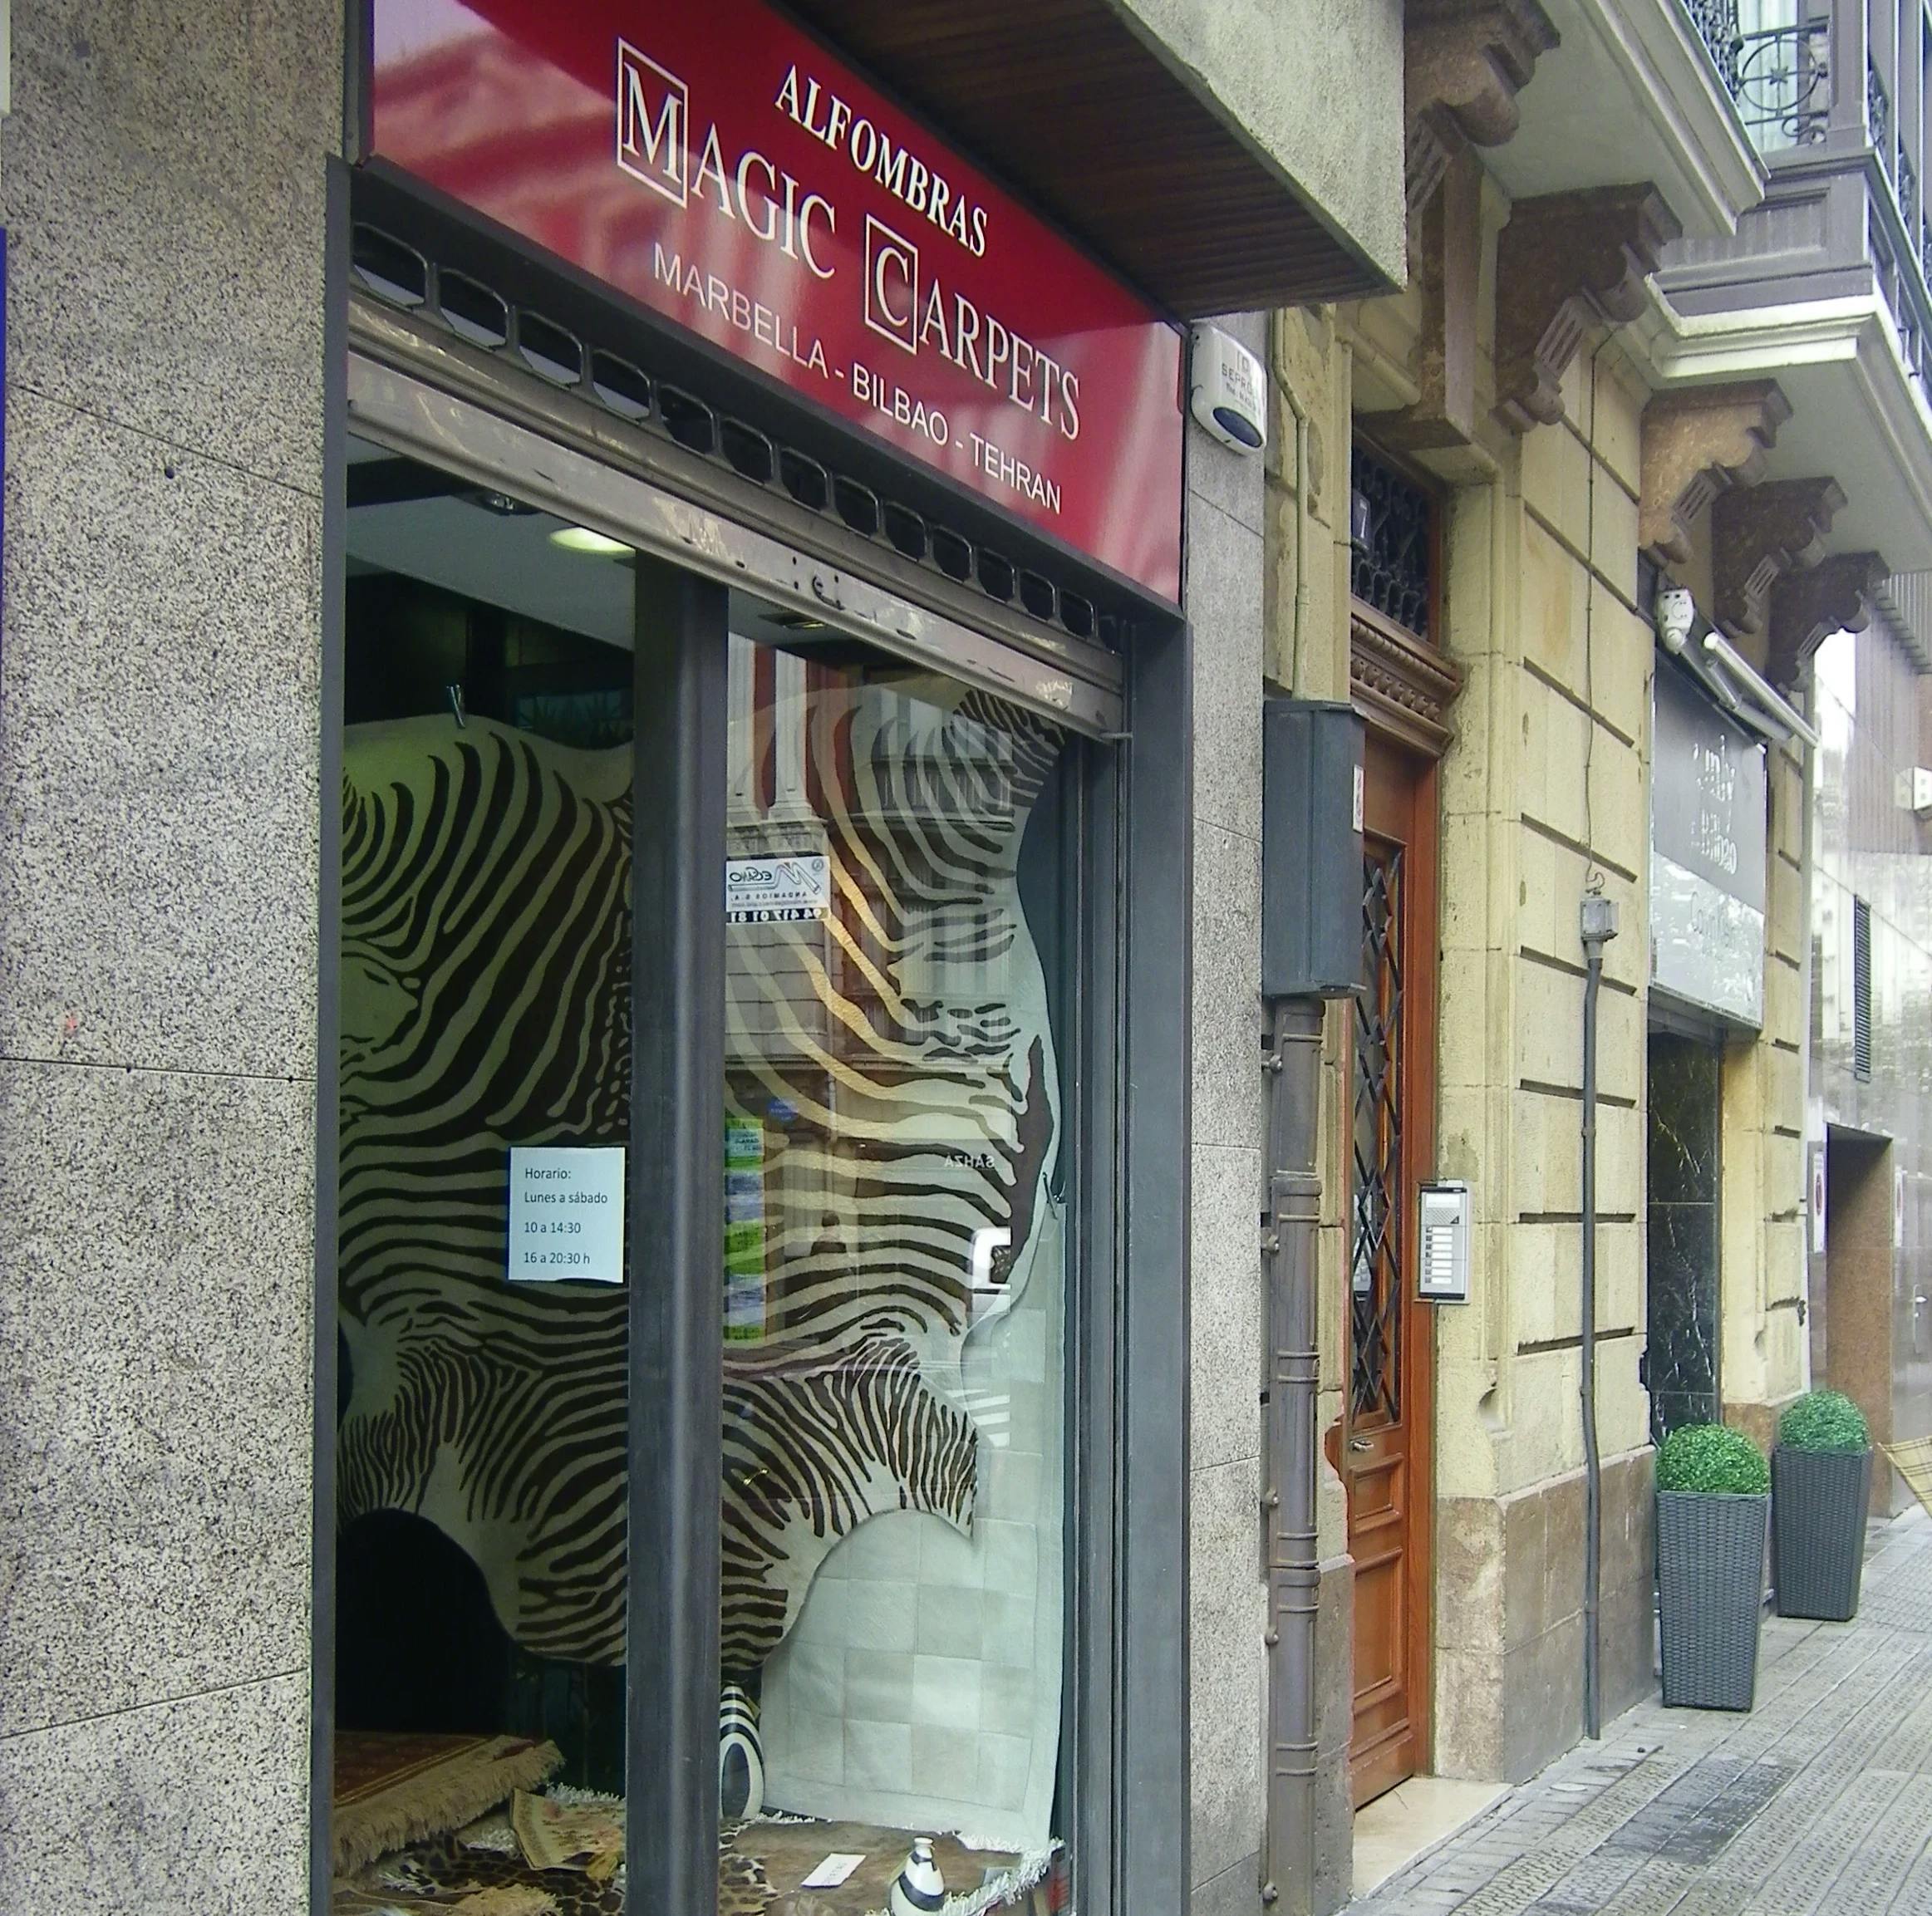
<point>1819,1500</point>
<point>1710,1585</point>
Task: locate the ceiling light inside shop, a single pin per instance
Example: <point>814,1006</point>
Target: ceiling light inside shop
<point>582,539</point>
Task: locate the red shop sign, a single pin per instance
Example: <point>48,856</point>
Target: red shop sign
<point>718,165</point>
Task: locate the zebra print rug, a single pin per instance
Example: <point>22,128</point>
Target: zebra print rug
<point>486,981</point>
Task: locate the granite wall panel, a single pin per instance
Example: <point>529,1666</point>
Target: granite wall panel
<point>162,183</point>
<point>1224,597</point>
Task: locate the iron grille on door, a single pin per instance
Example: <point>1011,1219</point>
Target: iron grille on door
<point>1375,1284</point>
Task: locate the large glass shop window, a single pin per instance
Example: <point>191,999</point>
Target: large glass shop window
<point>892,1606</point>
<point>893,1287</point>
<point>485,1126</point>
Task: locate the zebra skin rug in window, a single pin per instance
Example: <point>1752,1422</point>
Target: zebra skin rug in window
<point>910,1111</point>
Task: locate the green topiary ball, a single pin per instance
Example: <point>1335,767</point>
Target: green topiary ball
<point>1714,1460</point>
<point>1824,1420</point>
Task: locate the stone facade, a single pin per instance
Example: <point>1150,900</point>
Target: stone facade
<point>162,195</point>
<point>1227,1600</point>
<point>1544,792</point>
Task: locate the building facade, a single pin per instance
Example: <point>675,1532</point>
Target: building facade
<point>1566,521</point>
<point>412,614</point>
<point>1868,1291</point>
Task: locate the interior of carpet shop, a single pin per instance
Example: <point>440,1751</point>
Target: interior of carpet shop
<point>896,988</point>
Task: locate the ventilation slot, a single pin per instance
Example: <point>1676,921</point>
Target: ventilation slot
<point>472,311</point>
<point>548,351</point>
<point>1861,990</point>
<point>396,274</point>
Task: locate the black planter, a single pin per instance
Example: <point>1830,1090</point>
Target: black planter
<point>1819,1500</point>
<point>1710,1587</point>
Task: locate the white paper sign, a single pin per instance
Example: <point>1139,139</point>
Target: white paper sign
<point>567,1214</point>
<point>789,888</point>
<point>832,1871</point>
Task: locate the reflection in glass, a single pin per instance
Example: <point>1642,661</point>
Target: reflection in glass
<point>894,1279</point>
<point>485,970</point>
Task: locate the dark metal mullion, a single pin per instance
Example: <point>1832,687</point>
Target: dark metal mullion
<point>677,1243</point>
<point>1093,1267</point>
<point>1152,1863</point>
<point>335,528</point>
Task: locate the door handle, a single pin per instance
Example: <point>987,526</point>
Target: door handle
<point>1360,1444</point>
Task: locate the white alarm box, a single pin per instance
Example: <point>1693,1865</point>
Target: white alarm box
<point>1442,1241</point>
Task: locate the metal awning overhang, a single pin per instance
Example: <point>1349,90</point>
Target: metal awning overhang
<point>1080,113</point>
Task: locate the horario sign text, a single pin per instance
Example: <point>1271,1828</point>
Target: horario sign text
<point>718,165</point>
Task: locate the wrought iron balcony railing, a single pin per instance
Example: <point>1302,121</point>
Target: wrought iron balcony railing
<point>1878,120</point>
<point>1784,85</point>
<point>1717,24</point>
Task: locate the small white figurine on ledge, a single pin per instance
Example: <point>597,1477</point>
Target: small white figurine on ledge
<point>920,1890</point>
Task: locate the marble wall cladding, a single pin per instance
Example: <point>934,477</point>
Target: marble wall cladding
<point>1682,1286</point>
<point>1224,593</point>
<point>1870,845</point>
<point>162,184</point>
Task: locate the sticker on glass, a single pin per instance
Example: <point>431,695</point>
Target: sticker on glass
<point>788,889</point>
<point>567,1214</point>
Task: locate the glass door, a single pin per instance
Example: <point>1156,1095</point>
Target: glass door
<point>893,1297</point>
<point>485,1220</point>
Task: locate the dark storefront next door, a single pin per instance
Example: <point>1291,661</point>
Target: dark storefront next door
<point>1386,1432</point>
<point>1680,1361</point>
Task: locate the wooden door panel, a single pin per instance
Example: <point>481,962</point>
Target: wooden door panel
<point>1385,1452</point>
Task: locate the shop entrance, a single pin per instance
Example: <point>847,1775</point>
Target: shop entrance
<point>897,890</point>
<point>1866,1317</point>
<point>1385,1452</point>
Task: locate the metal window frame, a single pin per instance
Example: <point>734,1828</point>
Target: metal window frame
<point>449,407</point>
<point>1129,1122</point>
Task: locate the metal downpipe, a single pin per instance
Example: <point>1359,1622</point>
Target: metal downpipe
<point>1599,927</point>
<point>1289,1228</point>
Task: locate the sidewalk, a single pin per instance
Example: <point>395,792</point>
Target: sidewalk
<point>1820,1800</point>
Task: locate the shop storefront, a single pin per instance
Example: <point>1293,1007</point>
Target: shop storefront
<point>753,1467</point>
<point>1709,874</point>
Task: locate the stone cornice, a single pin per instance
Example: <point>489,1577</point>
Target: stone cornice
<point>1565,262</point>
<point>1464,62</point>
<point>1760,537</point>
<point>1699,443</point>
<point>1401,685</point>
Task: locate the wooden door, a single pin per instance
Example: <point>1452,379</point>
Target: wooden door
<point>1385,1431</point>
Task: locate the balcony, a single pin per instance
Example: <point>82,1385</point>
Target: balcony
<point>1640,89</point>
<point>1827,285</point>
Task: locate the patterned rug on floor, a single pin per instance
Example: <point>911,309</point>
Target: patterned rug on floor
<point>394,1788</point>
<point>481,1871</point>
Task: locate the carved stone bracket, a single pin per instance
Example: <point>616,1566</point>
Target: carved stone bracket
<point>1401,685</point>
<point>1759,536</point>
<point>1564,262</point>
<point>1464,62</point>
<point>1697,444</point>
<point>1833,596</point>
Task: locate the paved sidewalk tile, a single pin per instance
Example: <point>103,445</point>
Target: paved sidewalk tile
<point>1819,1800</point>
